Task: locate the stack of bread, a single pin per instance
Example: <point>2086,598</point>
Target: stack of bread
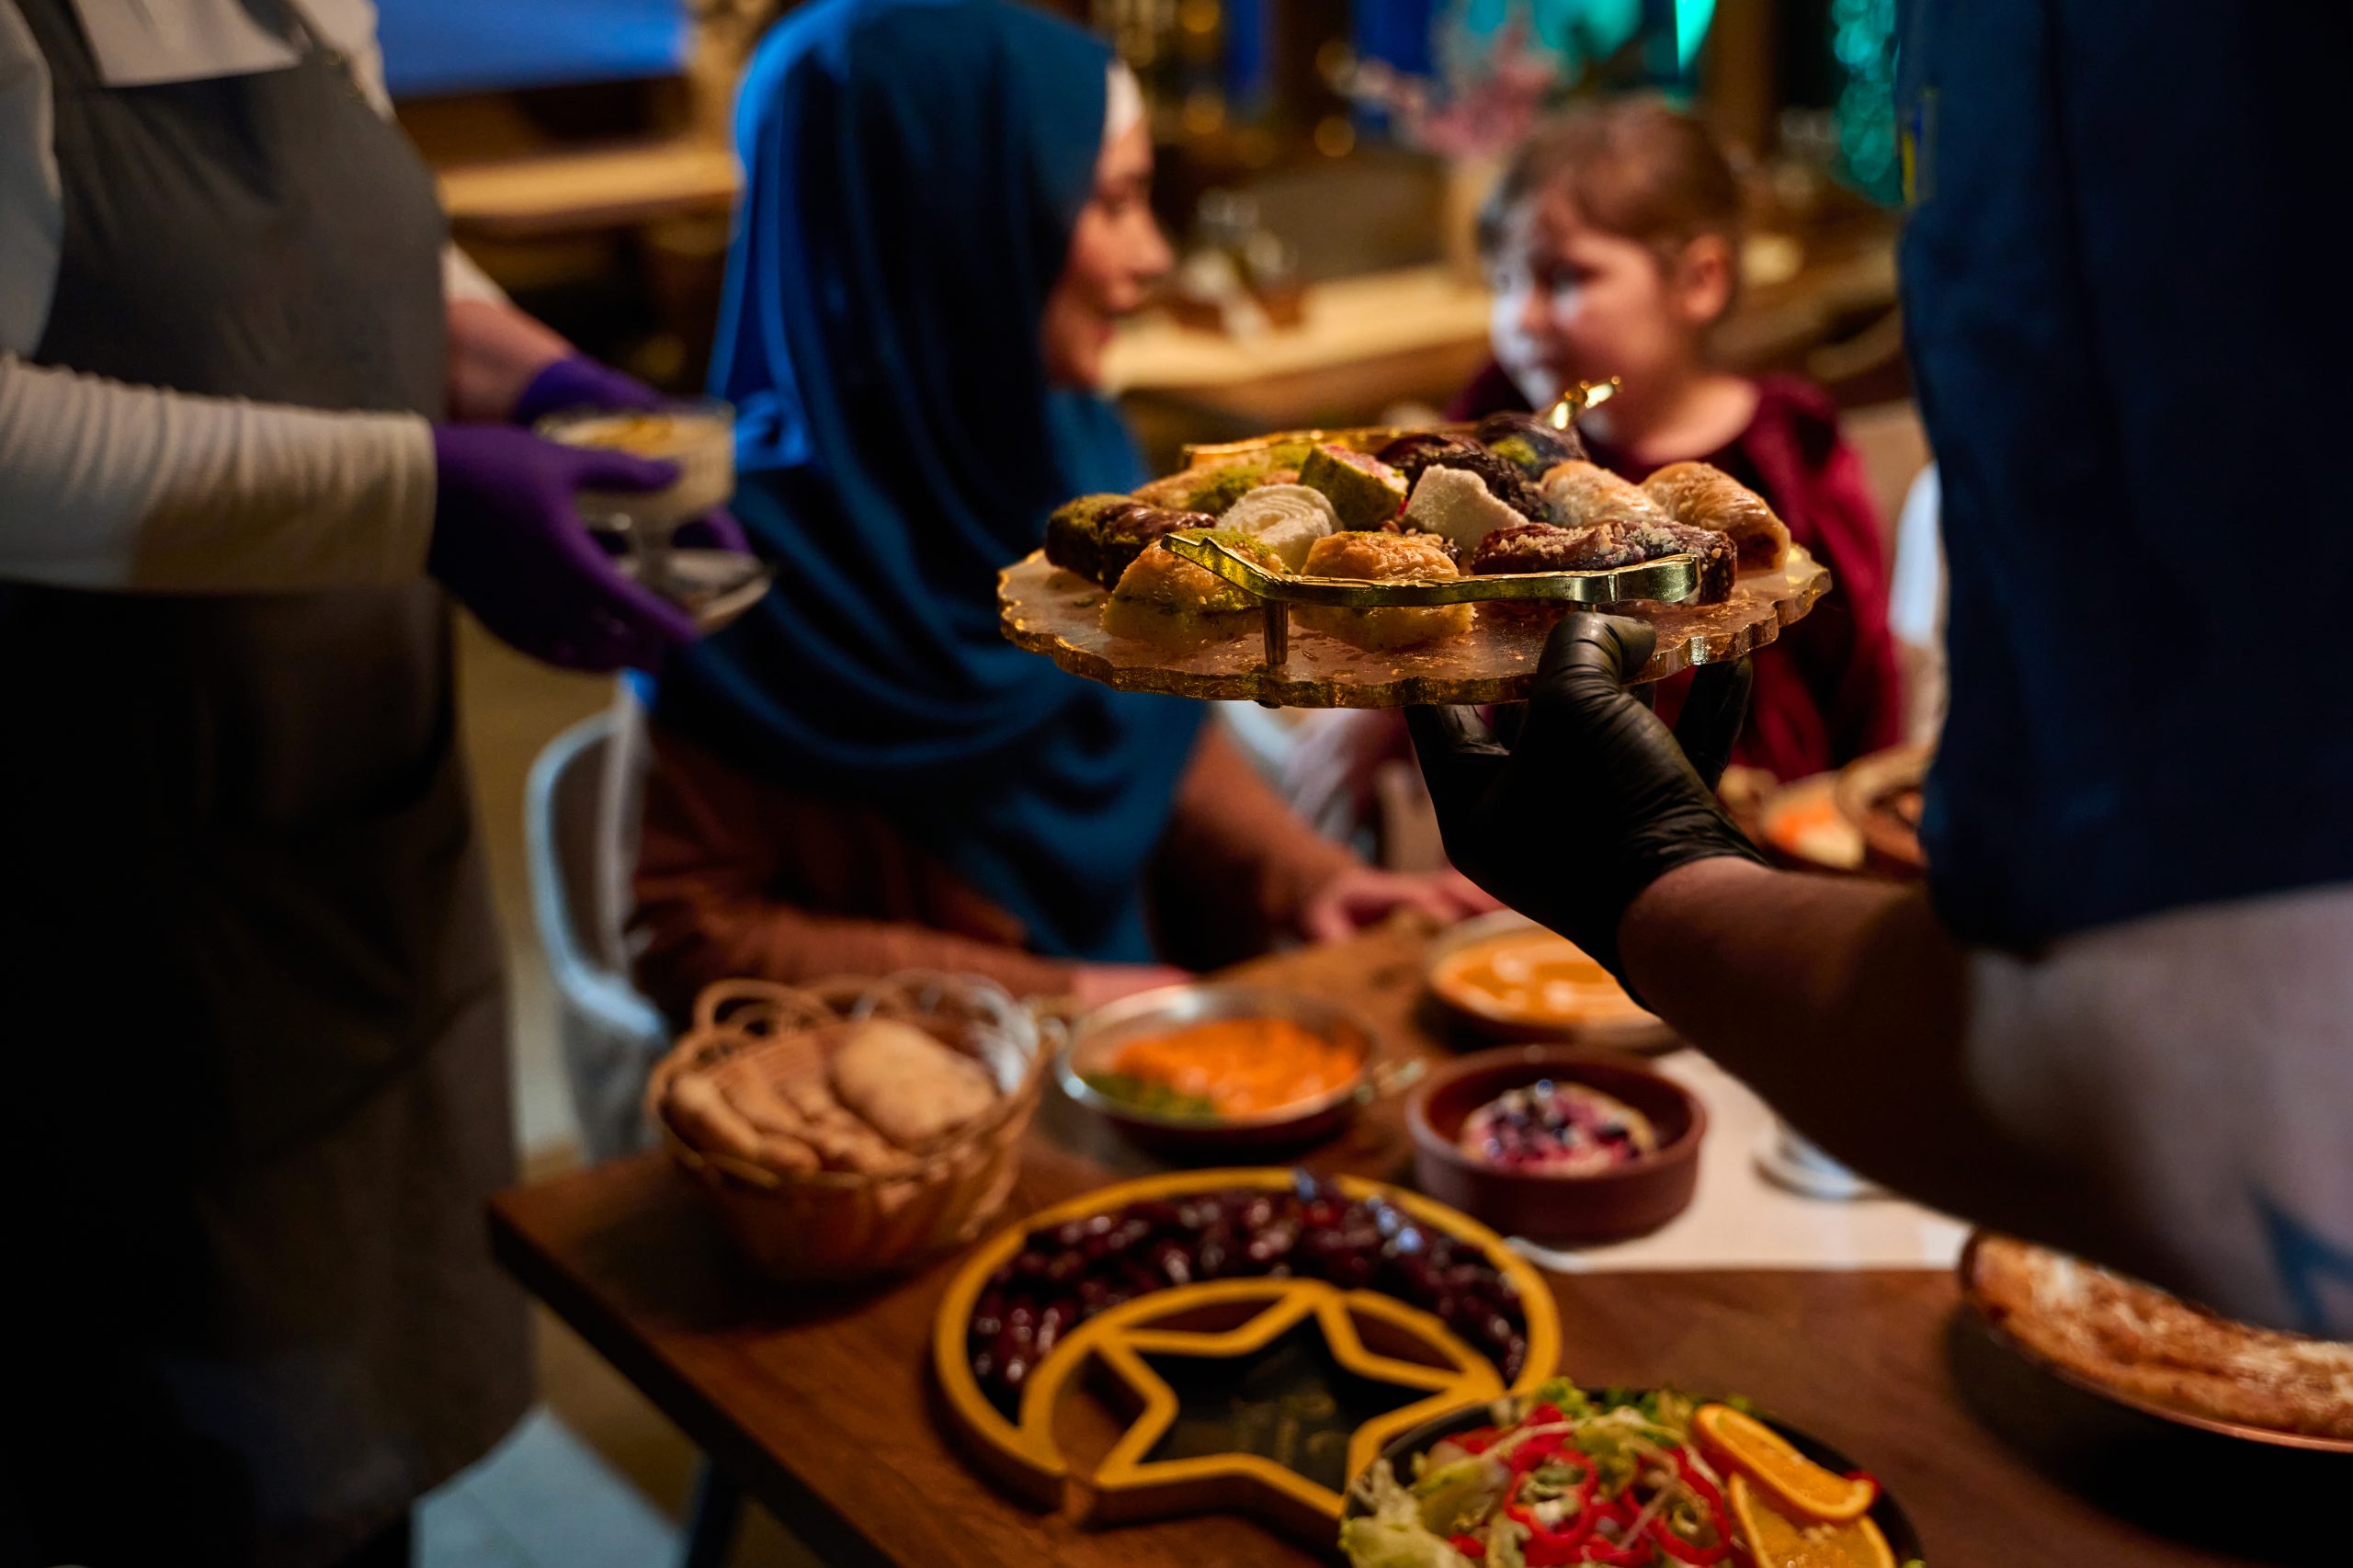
<point>855,1128</point>
<point>872,1097</point>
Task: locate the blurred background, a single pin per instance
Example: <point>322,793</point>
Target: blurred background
<point>1321,166</point>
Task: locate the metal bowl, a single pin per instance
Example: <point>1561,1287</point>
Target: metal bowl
<point>1098,1036</point>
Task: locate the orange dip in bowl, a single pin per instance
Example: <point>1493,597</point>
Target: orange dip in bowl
<point>1536,978</point>
<point>1238,1066</point>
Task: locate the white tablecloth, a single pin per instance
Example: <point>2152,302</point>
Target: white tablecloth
<point>1740,1220</point>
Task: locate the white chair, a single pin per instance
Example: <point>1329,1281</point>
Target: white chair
<point>581,810</point>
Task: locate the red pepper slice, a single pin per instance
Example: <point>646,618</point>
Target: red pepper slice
<point>1564,1544</point>
<point>1533,1451</point>
<point>1551,1547</point>
<point>1633,1553</point>
<point>1471,1546</point>
<point>1545,1415</point>
<point>1477,1440</point>
<point>1697,1482</point>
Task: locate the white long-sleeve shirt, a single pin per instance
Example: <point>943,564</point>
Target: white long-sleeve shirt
<point>106,485</point>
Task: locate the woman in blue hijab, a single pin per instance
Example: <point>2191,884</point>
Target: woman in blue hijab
<point>946,211</point>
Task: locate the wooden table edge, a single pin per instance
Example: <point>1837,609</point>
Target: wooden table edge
<point>812,1518</point>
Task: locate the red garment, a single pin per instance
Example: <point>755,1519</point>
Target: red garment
<point>1829,693</point>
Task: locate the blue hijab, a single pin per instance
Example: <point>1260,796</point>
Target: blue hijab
<point>913,169</point>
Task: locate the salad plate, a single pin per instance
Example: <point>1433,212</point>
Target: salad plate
<point>1563,1477</point>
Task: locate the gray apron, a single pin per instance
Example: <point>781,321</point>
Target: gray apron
<point>248,969</point>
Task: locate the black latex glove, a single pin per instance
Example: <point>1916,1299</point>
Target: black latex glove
<point>1594,798</point>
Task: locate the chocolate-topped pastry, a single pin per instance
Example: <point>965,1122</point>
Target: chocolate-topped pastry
<point>1530,442</point>
<point>1128,531</point>
<point>1075,533</point>
<point>1415,450</point>
<point>1719,554</point>
<point>1540,547</point>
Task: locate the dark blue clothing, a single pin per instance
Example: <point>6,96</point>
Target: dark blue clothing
<point>912,172</point>
<point>2129,336</point>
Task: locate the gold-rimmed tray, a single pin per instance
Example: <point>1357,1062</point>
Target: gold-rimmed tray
<point>1294,1482</point>
<point>1048,610</point>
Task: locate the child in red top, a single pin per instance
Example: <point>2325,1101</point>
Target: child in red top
<point>1614,244</point>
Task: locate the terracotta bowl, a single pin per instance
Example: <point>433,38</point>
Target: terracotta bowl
<point>1606,1205</point>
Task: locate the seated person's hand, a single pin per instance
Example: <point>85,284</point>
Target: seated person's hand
<point>1096,983</point>
<point>1366,895</point>
<point>1594,798</point>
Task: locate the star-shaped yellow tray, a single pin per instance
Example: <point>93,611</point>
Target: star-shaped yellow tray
<point>1368,1336</point>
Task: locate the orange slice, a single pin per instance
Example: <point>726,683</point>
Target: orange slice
<point>1776,1540</point>
<point>1796,1484</point>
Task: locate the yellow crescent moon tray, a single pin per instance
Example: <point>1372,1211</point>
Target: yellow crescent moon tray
<point>1057,613</point>
<point>1256,1395</point>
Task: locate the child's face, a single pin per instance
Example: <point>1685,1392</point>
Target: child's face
<point>1574,303</point>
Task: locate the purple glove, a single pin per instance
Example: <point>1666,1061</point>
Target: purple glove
<point>577,382</point>
<point>508,541</point>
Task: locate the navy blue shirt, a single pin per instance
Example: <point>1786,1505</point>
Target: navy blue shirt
<point>2126,308</point>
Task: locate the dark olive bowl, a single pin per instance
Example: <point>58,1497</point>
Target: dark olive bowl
<point>1886,1513</point>
<point>1563,1210</point>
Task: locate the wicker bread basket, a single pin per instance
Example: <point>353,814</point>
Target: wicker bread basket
<point>840,1224</point>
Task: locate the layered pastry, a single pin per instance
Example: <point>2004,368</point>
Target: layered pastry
<point>1701,495</point>
<point>1214,489</point>
<point>1457,505</point>
<point>1380,558</point>
<point>1365,491</point>
<point>1542,547</point>
<point>1530,442</point>
<point>1582,495</point>
<point>1075,533</point>
<point>1286,518</point>
<point>1165,601</point>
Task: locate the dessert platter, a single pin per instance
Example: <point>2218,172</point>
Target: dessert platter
<point>2135,1346</point>
<point>1378,567</point>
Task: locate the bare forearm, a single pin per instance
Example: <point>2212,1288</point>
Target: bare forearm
<point>1847,1005</point>
<point>1232,838</point>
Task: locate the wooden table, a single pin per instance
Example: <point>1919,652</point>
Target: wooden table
<point>820,1402</point>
